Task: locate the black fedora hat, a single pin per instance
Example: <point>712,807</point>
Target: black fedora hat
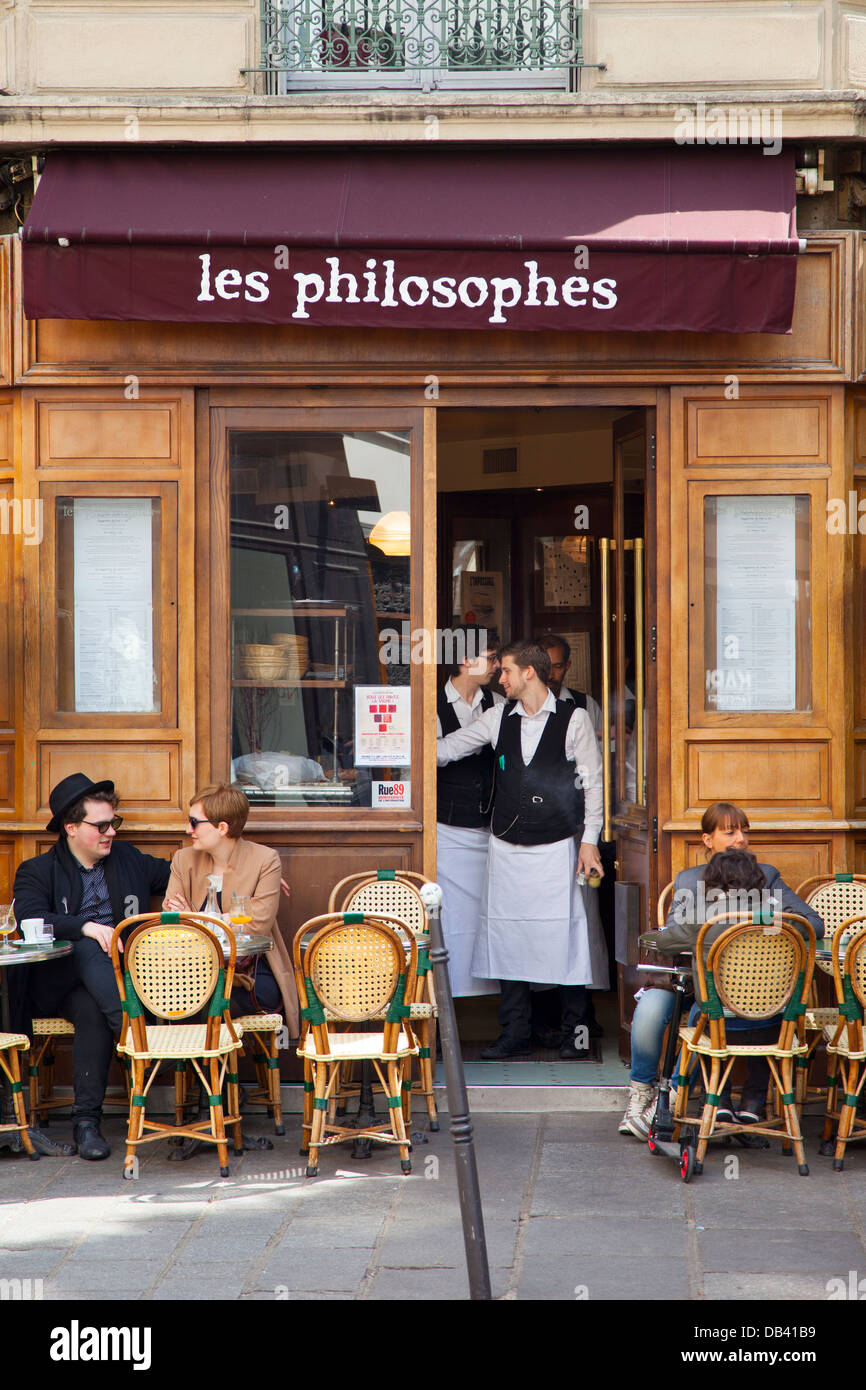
<point>64,796</point>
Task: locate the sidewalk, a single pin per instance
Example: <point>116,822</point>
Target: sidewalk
<point>572,1210</point>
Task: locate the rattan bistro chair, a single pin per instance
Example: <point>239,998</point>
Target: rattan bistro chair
<point>10,1045</point>
<point>756,970</point>
<point>845,1042</point>
<point>835,898</point>
<point>353,968</point>
<point>396,891</point>
<point>173,966</point>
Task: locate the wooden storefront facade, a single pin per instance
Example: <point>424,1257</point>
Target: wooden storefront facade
<point>116,409</point>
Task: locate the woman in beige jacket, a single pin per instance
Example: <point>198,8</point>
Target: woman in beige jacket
<point>217,817</point>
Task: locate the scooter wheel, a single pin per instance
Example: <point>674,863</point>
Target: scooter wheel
<point>687,1162</point>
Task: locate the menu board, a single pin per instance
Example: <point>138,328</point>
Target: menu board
<point>113,607</point>
<point>756,605</point>
<point>383,731</point>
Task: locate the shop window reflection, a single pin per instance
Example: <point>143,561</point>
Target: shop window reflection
<point>320,590</point>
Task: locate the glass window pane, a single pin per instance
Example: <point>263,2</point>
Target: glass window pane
<point>757,639</point>
<point>320,598</point>
<point>107,567</point>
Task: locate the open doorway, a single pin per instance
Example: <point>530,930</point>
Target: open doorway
<point>532,502</point>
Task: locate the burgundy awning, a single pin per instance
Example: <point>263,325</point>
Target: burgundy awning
<point>421,236</point>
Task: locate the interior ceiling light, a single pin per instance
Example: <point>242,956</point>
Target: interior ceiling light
<point>391,533</point>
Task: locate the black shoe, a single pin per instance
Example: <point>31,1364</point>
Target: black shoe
<point>88,1140</point>
<point>569,1053</point>
<point>752,1111</point>
<point>548,1037</point>
<point>505,1047</point>
<point>725,1109</point>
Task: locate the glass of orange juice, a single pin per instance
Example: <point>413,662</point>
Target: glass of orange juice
<point>240,916</point>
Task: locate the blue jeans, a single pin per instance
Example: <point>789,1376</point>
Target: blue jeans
<point>651,1017</point>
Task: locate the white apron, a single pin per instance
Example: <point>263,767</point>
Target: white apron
<point>534,924</point>
<point>461,867</point>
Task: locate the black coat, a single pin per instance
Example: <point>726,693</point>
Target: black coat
<point>50,886</point>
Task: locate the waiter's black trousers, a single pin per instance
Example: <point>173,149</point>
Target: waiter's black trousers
<point>82,989</point>
<point>515,1009</point>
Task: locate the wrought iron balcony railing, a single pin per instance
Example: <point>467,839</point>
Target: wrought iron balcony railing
<point>390,37</point>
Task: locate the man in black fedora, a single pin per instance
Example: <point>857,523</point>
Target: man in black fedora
<point>84,886</point>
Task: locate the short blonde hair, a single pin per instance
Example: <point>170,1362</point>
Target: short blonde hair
<point>224,803</point>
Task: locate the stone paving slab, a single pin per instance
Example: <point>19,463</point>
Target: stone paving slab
<point>573,1211</point>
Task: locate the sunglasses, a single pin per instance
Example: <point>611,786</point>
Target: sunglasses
<point>195,823</point>
<point>103,825</point>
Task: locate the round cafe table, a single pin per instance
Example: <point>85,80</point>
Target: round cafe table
<point>10,956</point>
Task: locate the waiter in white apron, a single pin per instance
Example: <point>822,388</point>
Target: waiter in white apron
<point>464,797</point>
<point>548,790</point>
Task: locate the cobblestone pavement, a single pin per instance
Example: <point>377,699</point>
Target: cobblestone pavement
<point>572,1210</point>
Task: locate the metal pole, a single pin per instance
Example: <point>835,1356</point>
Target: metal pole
<point>468,1189</point>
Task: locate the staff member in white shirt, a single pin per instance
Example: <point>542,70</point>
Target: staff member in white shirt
<point>548,789</point>
<point>464,798</point>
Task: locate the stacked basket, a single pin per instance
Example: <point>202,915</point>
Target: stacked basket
<point>296,652</point>
<point>256,661</point>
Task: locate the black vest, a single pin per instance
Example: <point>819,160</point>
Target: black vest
<point>539,803</point>
<point>578,697</point>
<point>464,789</point>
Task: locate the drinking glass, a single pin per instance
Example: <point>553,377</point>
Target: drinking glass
<point>7,923</point>
<point>239,915</point>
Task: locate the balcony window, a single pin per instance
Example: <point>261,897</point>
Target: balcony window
<point>411,43</point>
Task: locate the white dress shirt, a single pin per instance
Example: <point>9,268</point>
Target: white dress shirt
<point>593,708</point>
<point>581,747</point>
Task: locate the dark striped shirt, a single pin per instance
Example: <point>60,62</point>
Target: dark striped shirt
<point>96,903</point>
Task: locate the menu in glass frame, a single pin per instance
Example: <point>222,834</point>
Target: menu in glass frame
<point>113,606</point>
<point>383,729</point>
<point>756,604</point>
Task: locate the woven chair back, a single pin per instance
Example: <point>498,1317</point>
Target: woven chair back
<point>756,968</point>
<point>174,969</point>
<point>354,968</point>
<point>834,904</point>
<point>390,896</point>
<point>854,965</point>
<point>662,907</point>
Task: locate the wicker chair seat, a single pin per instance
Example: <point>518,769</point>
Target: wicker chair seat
<point>740,1049</point>
<point>820,1018</point>
<point>355,1047</point>
<point>258,1023</point>
<point>167,1040</point>
<point>8,1040</point>
<point>841,1046</point>
<point>47,1027</point>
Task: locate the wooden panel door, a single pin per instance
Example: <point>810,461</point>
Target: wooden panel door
<point>631,813</point>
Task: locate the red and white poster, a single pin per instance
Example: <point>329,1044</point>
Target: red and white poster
<point>383,728</point>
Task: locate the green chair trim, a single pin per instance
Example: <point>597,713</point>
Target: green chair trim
<point>16,1086</point>
<point>844,878</point>
<point>712,1098</point>
<point>232,1077</point>
<point>795,1008</point>
<point>393,1102</point>
<point>787,1097</point>
<point>712,1005</point>
<point>351,919</point>
<point>169,918</point>
<point>313,1013</point>
<point>272,1062</point>
<point>850,1099</point>
<point>132,1006</point>
<point>850,1008</point>
<point>218,1002</point>
<point>397,1009</point>
<point>140,1101</point>
<point>320,1103</point>
<point>214,1100</point>
<point>386,875</point>
<point>423,1052</point>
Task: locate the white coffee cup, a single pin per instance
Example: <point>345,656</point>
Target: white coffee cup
<point>33,928</point>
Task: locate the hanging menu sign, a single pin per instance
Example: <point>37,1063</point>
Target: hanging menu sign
<point>383,726</point>
<point>113,587</point>
<point>756,605</point>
